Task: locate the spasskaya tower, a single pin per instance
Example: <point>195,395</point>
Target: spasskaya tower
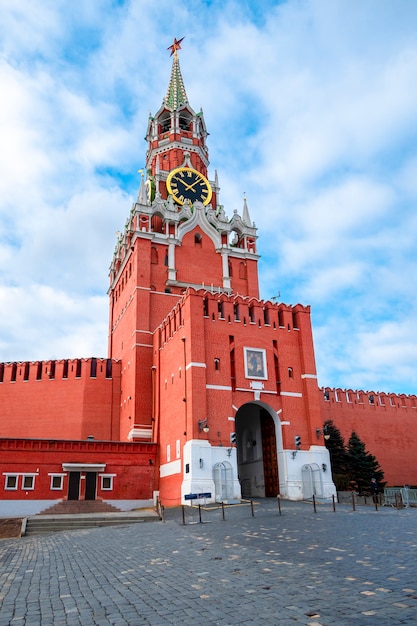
<point>177,236</point>
<point>222,381</point>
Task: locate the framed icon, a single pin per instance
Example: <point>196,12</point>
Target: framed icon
<point>255,363</point>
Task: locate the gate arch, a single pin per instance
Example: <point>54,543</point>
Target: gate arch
<point>258,442</point>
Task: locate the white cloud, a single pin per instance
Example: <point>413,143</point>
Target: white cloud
<point>312,111</point>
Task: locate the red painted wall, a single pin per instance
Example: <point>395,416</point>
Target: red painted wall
<point>130,462</point>
<point>387,426</point>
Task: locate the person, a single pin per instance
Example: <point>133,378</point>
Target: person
<point>374,489</point>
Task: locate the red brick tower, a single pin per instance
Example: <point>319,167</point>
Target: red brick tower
<point>177,236</point>
<point>221,380</point>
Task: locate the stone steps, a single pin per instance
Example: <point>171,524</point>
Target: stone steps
<point>74,507</point>
<point>44,524</point>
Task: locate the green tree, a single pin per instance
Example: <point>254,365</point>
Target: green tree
<point>362,465</point>
<point>338,455</point>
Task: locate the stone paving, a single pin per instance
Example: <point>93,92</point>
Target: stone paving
<point>345,567</point>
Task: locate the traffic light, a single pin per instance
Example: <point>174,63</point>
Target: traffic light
<point>297,441</point>
<point>233,438</point>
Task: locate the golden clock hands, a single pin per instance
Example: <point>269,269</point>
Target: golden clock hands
<point>188,187</point>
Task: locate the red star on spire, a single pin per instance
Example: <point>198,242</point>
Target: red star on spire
<point>176,45</point>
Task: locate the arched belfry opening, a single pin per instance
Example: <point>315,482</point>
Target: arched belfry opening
<point>257,451</point>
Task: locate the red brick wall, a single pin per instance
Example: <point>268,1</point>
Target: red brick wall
<point>60,408</point>
<point>388,427</point>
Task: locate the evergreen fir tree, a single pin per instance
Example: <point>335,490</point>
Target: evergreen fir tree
<point>362,465</point>
<point>338,455</point>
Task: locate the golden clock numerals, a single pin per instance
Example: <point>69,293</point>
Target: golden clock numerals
<point>185,183</point>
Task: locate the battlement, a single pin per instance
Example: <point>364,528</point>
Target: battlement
<point>250,310</point>
<point>53,445</point>
<point>350,397</point>
<point>25,371</point>
<point>234,308</point>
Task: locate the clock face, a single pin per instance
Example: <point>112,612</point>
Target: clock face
<point>185,183</point>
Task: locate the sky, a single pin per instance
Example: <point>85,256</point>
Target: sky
<point>311,106</point>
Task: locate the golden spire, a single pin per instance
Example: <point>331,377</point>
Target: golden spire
<point>176,95</point>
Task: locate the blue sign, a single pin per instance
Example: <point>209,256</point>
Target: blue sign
<point>195,496</point>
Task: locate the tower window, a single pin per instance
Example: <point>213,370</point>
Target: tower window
<point>232,369</point>
<point>198,240</point>
<point>295,320</point>
<point>184,122</point>
<point>290,372</point>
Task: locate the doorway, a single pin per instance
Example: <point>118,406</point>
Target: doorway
<point>269,453</point>
<point>257,453</point>
<point>90,485</point>
<point>74,486</point>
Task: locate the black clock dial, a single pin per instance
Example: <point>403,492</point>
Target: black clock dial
<point>185,183</point>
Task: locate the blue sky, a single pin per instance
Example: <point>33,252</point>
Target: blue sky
<point>311,108</point>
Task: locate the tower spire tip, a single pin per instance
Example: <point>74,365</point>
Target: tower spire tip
<point>176,45</point>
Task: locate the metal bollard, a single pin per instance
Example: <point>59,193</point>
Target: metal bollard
<point>314,503</point>
<point>353,501</point>
<point>199,512</point>
<point>279,504</point>
<point>183,516</point>
<point>251,506</point>
<point>334,504</point>
<point>223,510</point>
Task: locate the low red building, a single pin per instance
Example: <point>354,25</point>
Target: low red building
<point>38,473</point>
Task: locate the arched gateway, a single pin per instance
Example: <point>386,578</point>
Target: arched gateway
<point>258,442</point>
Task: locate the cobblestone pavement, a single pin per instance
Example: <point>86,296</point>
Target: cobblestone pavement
<point>344,567</point>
